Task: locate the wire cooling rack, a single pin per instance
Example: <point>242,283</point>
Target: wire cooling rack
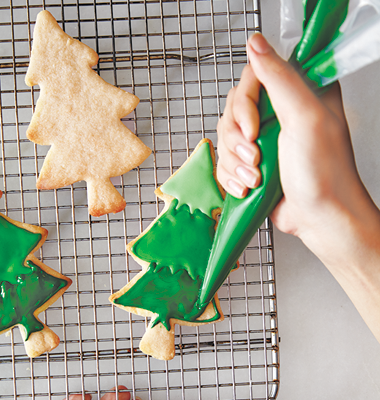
<point>180,58</point>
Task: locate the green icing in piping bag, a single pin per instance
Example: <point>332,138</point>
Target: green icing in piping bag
<point>323,19</point>
<point>241,218</point>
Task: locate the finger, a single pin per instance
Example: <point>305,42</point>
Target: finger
<point>244,109</point>
<point>230,183</point>
<point>231,138</point>
<point>80,397</point>
<point>227,112</point>
<point>248,175</point>
<point>122,394</point>
<point>289,94</point>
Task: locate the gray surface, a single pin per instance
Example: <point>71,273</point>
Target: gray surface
<point>327,352</point>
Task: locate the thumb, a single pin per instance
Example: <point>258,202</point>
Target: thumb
<point>289,94</point>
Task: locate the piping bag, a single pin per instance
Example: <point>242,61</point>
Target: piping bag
<point>337,37</point>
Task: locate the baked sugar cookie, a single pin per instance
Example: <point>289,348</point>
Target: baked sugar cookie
<point>173,252</point>
<point>78,114</point>
<point>27,286</point>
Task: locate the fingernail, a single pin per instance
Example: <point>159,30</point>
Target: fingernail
<point>258,43</point>
<point>246,176</point>
<point>235,188</point>
<point>245,154</point>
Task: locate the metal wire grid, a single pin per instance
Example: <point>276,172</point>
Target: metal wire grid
<point>180,58</point>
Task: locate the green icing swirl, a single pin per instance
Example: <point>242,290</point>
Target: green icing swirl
<point>19,301</point>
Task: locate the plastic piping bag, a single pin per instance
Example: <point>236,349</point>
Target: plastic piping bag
<point>335,38</point>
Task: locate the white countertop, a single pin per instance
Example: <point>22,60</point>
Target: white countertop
<point>326,350</point>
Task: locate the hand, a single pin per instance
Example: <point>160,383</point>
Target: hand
<point>325,203</point>
<point>109,396</point>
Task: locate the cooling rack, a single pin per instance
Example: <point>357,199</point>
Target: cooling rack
<point>180,58</point>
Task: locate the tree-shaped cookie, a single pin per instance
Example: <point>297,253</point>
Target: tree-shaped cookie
<point>173,252</point>
<point>78,114</point>
<point>27,286</point>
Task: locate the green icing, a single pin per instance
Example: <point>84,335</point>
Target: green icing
<point>19,301</point>
<point>166,294</point>
<point>324,67</point>
<point>309,6</point>
<point>194,183</point>
<point>16,244</point>
<point>178,240</point>
<point>314,54</point>
<point>323,19</point>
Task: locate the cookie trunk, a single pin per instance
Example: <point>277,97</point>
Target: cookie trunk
<point>103,198</point>
<point>158,342</point>
<point>41,342</point>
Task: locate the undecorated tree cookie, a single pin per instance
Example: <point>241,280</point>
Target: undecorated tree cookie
<point>78,114</point>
